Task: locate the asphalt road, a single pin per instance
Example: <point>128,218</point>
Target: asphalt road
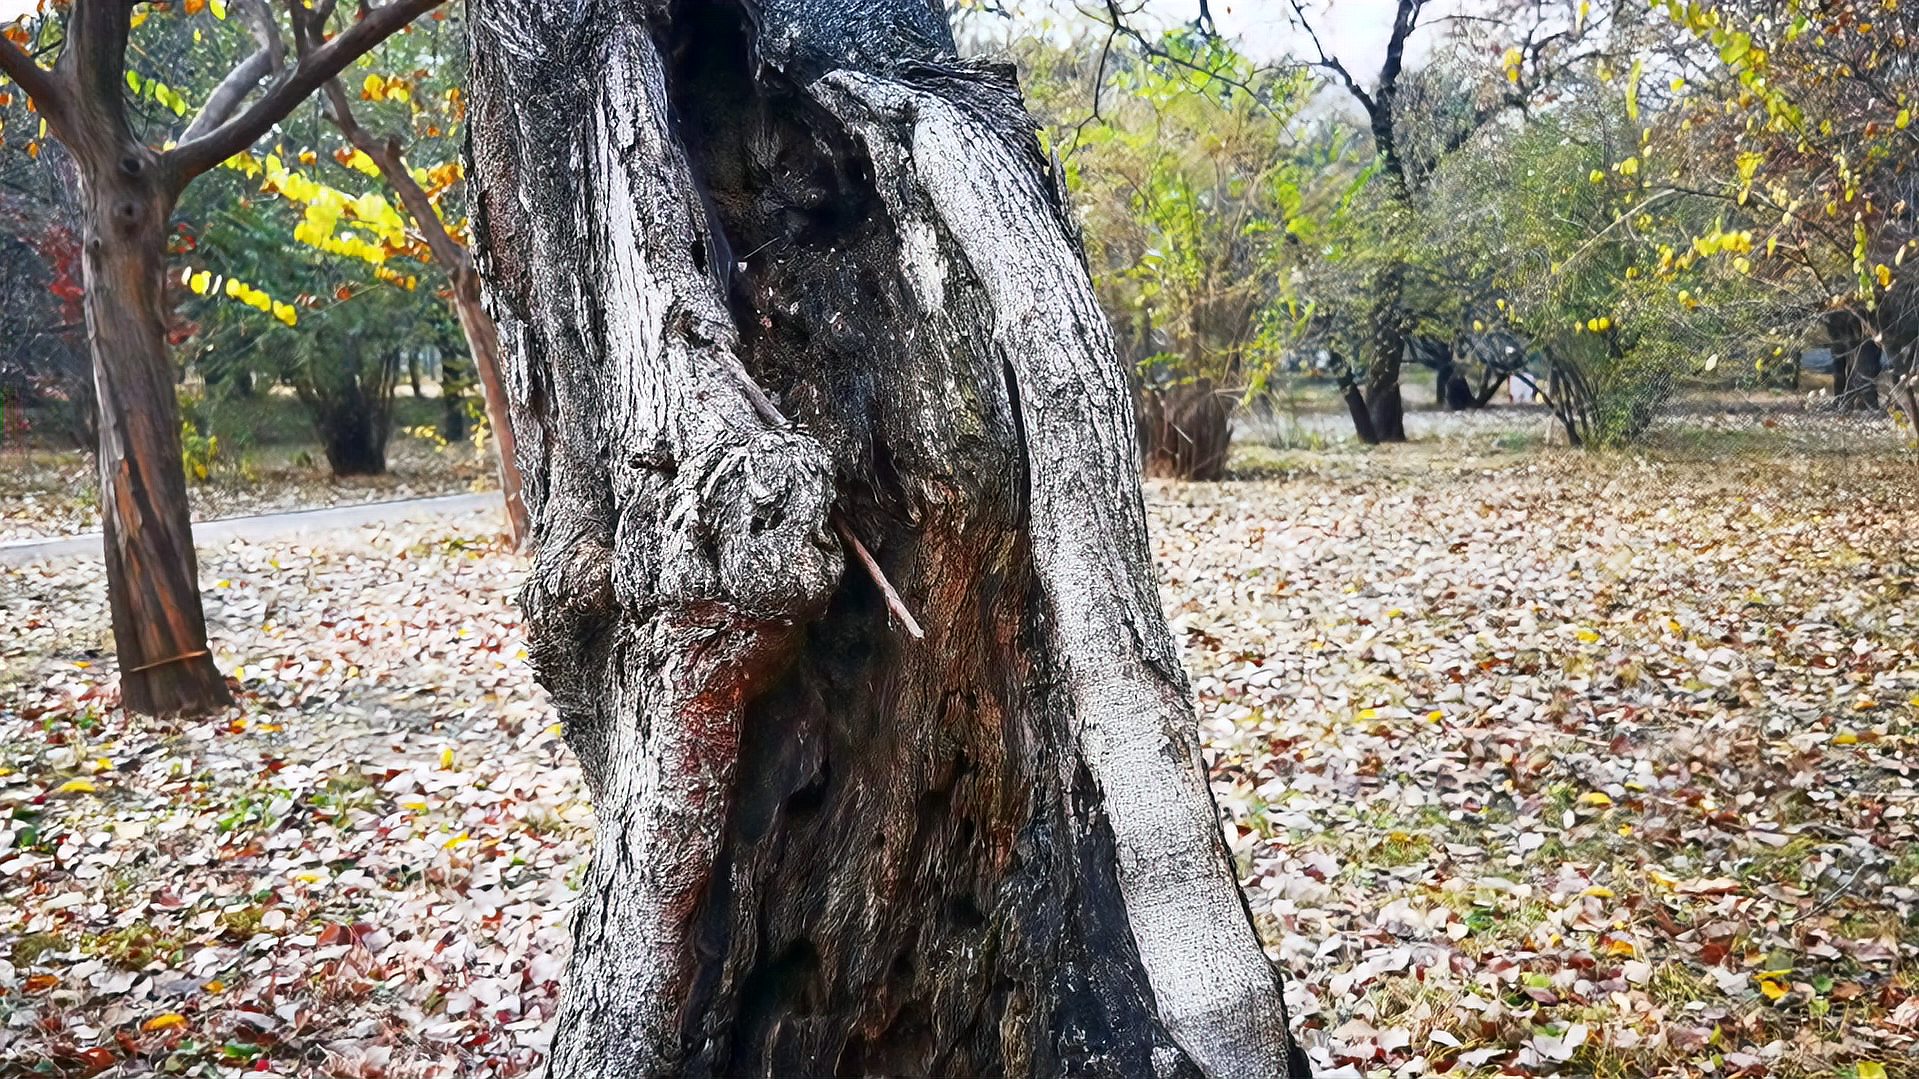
<point>265,526</point>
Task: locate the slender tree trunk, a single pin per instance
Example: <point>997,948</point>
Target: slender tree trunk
<point>1383,400</point>
<point>1862,377</point>
<point>482,337</point>
<point>1350,392</point>
<point>826,847</point>
<point>483,346</point>
<point>454,375</point>
<point>153,587</point>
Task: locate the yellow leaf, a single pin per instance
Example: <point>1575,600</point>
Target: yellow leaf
<point>77,786</point>
<point>218,7</point>
<point>1904,121</point>
<point>1845,738</point>
<point>1884,273</point>
<point>1772,990</point>
<point>456,840</point>
<point>1595,798</point>
<point>1598,891</point>
<point>1869,1069</point>
<point>446,758</point>
<point>167,1021</point>
<point>1584,634</point>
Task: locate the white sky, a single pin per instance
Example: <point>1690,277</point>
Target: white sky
<point>1354,30</point>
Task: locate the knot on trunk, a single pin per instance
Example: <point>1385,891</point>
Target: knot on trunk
<point>747,528</point>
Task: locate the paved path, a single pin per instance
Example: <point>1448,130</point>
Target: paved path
<point>265,526</point>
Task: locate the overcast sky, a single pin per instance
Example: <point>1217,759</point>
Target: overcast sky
<point>1355,30</point>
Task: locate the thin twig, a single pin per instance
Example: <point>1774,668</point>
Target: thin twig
<point>763,405</point>
<point>893,601</point>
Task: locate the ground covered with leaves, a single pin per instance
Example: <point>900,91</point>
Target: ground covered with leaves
<point>1534,764</point>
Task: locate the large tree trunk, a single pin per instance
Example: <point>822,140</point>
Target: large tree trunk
<point>826,847</point>
<point>153,587</point>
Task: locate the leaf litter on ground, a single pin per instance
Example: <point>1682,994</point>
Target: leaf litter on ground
<point>1542,765</point>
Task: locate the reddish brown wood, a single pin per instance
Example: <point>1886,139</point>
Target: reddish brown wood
<point>153,586</point>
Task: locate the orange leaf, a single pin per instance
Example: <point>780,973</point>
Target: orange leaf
<point>167,1021</point>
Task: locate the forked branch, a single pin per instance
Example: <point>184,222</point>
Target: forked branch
<point>313,70</point>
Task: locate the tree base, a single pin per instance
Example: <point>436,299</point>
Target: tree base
<point>187,687</point>
<point>1186,431</point>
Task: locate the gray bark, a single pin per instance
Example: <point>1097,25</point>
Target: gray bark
<point>766,273</point>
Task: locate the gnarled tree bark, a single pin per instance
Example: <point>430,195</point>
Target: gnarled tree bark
<point>825,847</point>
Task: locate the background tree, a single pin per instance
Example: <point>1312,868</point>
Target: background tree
<point>357,329</point>
<point>426,101</point>
<point>822,282</point>
<point>1416,119</point>
<point>129,188</point>
<point>1184,163</point>
<point>1796,119</point>
<point>43,359</point>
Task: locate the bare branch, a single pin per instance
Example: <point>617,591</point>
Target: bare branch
<point>387,156</point>
<point>267,60</point>
<point>1331,64</point>
<point>1119,22</point>
<point>310,74</point>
